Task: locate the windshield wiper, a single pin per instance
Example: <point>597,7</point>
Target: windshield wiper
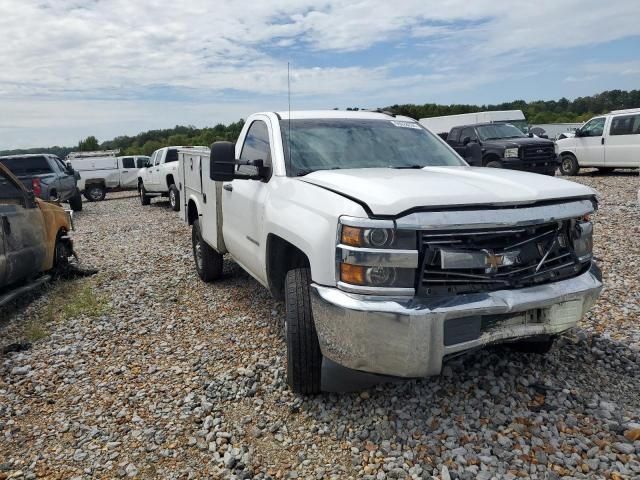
<point>408,166</point>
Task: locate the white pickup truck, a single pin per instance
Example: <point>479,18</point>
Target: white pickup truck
<point>390,252</point>
<point>158,177</point>
<point>104,171</point>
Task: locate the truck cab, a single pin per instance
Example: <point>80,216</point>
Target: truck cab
<point>502,145</point>
<point>605,142</point>
<point>159,177</point>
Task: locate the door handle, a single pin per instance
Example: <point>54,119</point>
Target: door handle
<point>228,187</point>
<point>602,141</point>
<point>125,171</point>
<point>6,226</point>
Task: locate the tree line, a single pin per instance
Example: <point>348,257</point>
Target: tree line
<point>539,111</point>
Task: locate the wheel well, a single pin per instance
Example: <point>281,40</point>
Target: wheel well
<point>94,181</point>
<point>562,154</point>
<point>282,256</point>
<point>489,157</point>
<point>170,180</point>
<point>192,212</point>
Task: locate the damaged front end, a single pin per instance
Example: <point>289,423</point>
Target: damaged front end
<point>495,275</point>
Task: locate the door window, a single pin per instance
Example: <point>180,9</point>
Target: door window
<point>625,125</point>
<point>156,157</point>
<point>593,128</point>
<point>127,162</point>
<point>256,147</point>
<point>454,136</point>
<point>61,165</point>
<point>172,155</point>
<point>140,161</point>
<point>468,132</point>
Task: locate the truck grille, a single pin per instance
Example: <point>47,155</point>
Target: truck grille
<point>536,255</point>
<point>538,153</point>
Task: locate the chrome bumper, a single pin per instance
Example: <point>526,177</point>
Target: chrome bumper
<point>410,337</point>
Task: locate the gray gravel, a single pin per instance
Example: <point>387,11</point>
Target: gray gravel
<point>177,379</point>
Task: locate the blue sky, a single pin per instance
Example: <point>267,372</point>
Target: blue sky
<point>73,68</point>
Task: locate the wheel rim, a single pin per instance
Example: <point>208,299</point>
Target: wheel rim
<point>95,193</point>
<point>197,252</point>
<point>172,198</point>
<point>567,164</point>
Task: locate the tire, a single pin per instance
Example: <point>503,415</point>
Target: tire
<point>61,258</point>
<point>208,262</point>
<point>144,198</point>
<point>75,202</point>
<point>174,198</point>
<point>494,164</point>
<point>606,169</point>
<point>304,359</point>
<point>569,165</point>
<point>551,172</point>
<point>539,346</point>
<point>95,193</point>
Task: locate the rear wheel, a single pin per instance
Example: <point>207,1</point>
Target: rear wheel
<point>304,359</point>
<point>75,202</point>
<point>569,165</point>
<point>144,198</point>
<point>536,345</point>
<point>95,193</point>
<point>208,261</point>
<point>494,164</point>
<point>174,198</point>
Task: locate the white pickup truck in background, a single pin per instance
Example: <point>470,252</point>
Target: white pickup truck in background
<point>103,171</point>
<point>390,252</point>
<point>159,177</point>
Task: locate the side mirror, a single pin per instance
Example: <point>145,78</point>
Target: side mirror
<point>222,164</point>
<point>70,169</point>
<point>530,135</point>
<point>578,133</point>
<point>466,140</point>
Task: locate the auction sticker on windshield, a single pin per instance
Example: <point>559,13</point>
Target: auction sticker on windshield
<point>406,124</point>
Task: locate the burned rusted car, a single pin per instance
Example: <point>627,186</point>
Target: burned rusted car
<point>34,238</point>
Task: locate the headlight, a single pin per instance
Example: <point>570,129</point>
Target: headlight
<point>373,257</point>
<point>556,148</point>
<point>377,237</point>
<point>510,152</point>
<point>582,237</point>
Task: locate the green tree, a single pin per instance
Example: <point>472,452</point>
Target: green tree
<point>89,144</point>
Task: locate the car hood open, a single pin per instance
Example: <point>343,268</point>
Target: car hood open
<point>390,192</point>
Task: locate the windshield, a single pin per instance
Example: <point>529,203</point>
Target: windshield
<point>327,144</point>
<point>499,130</point>
<point>521,125</point>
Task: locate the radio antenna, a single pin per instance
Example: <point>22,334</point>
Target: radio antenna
<point>289,99</point>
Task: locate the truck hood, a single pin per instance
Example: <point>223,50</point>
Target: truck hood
<point>387,191</point>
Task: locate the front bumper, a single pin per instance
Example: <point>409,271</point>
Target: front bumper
<point>536,166</point>
<point>411,337</point>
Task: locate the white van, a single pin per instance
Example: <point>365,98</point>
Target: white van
<point>606,142</point>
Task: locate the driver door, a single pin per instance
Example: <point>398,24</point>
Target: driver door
<point>590,144</point>
<point>243,202</point>
<point>67,180</point>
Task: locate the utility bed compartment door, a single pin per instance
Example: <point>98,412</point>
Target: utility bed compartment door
<point>197,187</point>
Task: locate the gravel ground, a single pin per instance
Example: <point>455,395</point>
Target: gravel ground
<point>155,374</point>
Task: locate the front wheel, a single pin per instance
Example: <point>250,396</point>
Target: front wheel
<point>208,261</point>
<point>304,359</point>
<point>569,165</point>
<point>95,193</point>
<point>75,202</point>
<point>174,198</point>
<point>62,253</point>
<point>144,198</point>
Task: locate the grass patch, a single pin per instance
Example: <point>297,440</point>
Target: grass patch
<point>66,300</point>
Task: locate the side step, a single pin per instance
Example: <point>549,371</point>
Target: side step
<point>7,297</point>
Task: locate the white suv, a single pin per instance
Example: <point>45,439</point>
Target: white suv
<point>606,142</point>
<point>159,177</point>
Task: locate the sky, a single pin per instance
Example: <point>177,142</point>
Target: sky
<point>73,68</point>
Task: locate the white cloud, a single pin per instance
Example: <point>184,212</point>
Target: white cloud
<point>80,51</point>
